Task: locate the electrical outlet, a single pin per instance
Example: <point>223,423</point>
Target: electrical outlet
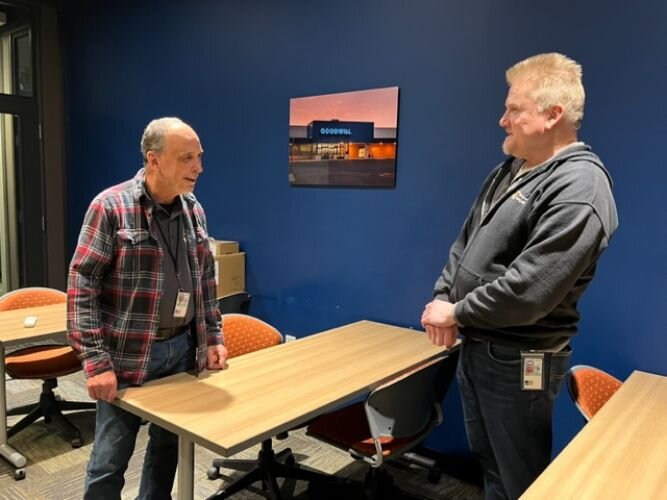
<point>289,338</point>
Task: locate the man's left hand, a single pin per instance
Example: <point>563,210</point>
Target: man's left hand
<point>438,313</point>
<point>216,357</point>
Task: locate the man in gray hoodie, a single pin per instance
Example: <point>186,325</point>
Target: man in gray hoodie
<point>524,257</point>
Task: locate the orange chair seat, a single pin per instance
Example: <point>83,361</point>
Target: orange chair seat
<point>45,361</point>
<point>348,428</point>
<point>245,334</point>
<point>592,388</point>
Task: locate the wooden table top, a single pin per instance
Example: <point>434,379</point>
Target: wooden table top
<point>50,320</point>
<point>620,453</point>
<point>272,390</point>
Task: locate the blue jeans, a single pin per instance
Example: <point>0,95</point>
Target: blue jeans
<point>116,433</point>
<point>509,429</point>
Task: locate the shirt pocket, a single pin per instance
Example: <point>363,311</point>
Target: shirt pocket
<point>132,236</point>
<point>136,252</point>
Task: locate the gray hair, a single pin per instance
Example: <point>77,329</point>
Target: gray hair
<point>153,138</point>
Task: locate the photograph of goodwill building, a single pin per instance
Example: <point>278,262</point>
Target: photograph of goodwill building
<point>345,139</point>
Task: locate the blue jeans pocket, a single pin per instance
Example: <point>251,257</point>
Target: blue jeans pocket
<point>560,362</point>
<point>504,355</point>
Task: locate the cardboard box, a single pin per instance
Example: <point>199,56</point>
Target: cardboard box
<point>223,247</point>
<point>229,273</point>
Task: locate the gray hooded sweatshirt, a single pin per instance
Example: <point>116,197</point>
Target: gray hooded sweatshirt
<point>528,250</point>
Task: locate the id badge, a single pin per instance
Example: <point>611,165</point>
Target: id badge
<point>532,371</point>
<point>181,307</point>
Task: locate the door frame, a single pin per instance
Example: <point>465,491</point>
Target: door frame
<point>30,189</point>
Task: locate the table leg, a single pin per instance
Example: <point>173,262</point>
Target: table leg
<point>186,468</point>
<point>6,451</point>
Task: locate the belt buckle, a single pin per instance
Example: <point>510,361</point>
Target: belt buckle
<point>167,333</point>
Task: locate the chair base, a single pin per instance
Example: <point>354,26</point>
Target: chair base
<point>432,467</point>
<point>266,469</point>
<point>51,409</point>
<point>378,484</point>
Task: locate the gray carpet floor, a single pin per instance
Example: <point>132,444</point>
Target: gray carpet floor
<point>56,471</point>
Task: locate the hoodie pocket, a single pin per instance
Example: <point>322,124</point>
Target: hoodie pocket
<point>466,281</point>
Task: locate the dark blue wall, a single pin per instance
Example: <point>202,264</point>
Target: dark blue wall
<point>321,257</point>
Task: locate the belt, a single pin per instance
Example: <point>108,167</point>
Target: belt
<point>170,333</point>
<point>552,350</point>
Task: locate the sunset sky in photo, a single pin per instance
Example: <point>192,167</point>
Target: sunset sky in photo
<point>379,106</point>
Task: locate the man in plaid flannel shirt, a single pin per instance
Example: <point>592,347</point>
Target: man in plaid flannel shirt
<point>141,301</point>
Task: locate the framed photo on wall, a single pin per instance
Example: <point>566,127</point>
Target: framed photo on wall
<point>344,139</point>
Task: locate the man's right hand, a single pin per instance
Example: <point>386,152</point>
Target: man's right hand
<point>442,335</point>
<point>103,387</point>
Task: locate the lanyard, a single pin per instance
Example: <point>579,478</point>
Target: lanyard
<point>167,243</point>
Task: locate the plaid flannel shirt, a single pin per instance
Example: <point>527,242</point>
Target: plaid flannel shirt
<point>116,279</point>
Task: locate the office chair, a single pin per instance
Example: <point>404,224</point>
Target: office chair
<point>590,388</point>
<point>443,380</point>
<point>235,303</point>
<point>394,419</point>
<point>244,334</point>
<point>46,362</point>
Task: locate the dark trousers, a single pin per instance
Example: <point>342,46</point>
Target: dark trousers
<point>116,432</point>
<point>509,430</point>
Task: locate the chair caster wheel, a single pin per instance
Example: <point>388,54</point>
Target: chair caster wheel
<point>77,443</point>
<point>434,475</point>
<point>213,473</point>
<point>19,474</point>
<point>290,461</point>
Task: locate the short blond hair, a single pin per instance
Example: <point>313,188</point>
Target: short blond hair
<point>556,79</point>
